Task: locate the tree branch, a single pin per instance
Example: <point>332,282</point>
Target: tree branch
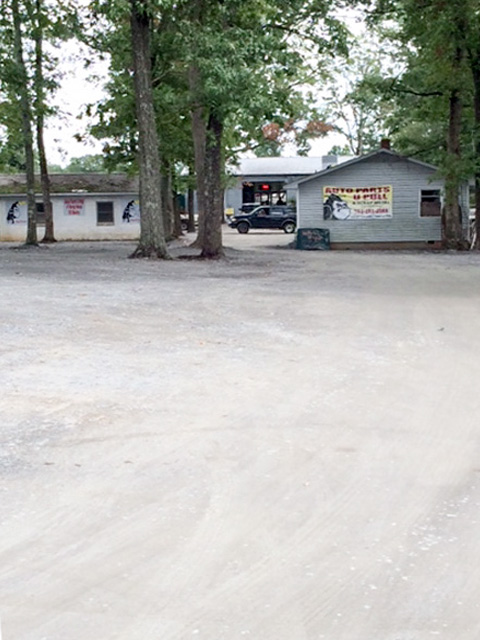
<point>413,92</point>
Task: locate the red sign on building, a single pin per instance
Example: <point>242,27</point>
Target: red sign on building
<point>74,206</point>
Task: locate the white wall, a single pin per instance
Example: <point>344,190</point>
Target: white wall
<point>74,227</point>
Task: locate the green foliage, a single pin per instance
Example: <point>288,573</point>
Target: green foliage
<point>12,155</point>
<point>12,152</point>
<point>406,81</point>
<point>339,150</point>
<point>356,101</point>
<point>54,21</point>
<point>86,164</point>
<point>438,45</point>
<point>254,59</point>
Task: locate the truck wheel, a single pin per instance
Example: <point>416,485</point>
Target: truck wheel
<point>243,227</point>
<point>289,227</point>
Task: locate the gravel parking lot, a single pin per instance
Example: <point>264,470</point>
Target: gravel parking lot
<point>281,445</point>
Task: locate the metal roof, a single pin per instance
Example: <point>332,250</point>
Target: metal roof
<point>368,156</point>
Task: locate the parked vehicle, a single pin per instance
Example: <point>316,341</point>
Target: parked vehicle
<point>265,217</point>
<point>184,221</point>
<point>248,207</point>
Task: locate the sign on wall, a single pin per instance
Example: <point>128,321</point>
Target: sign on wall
<point>357,203</point>
<point>17,212</point>
<point>131,213</point>
<point>74,206</point>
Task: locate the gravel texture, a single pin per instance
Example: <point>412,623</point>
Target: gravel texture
<point>281,445</point>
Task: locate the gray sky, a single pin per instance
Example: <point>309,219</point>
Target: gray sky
<point>75,93</point>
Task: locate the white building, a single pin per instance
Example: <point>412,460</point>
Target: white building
<point>85,207</point>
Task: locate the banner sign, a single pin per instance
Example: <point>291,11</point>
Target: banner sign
<point>131,212</point>
<point>17,212</point>
<point>74,206</point>
<point>357,203</point>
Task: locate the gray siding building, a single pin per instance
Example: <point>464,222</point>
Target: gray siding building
<point>380,198</point>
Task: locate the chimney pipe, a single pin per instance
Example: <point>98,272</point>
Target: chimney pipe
<point>385,144</point>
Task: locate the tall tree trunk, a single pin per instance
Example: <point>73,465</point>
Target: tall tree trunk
<point>475,66</point>
<point>190,208</point>
<point>199,135</point>
<point>452,227</point>
<point>452,216</point>
<point>177,221</point>
<point>25,107</point>
<point>49,235</point>
<point>167,210</point>
<point>152,242</point>
<point>212,236</point>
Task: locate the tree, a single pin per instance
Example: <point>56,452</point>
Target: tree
<point>234,66</point>
<point>86,164</point>
<point>472,25</point>
<point>355,101</point>
<point>24,99</point>
<point>246,70</point>
<point>434,35</point>
<point>12,151</point>
<point>152,238</point>
<point>28,79</point>
<point>293,132</point>
<point>37,19</point>
<point>116,115</point>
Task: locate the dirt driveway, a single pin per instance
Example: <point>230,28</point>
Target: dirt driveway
<point>281,446</point>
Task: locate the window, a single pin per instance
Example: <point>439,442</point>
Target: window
<point>267,193</point>
<point>279,197</point>
<point>105,213</point>
<point>430,203</point>
<point>40,213</point>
